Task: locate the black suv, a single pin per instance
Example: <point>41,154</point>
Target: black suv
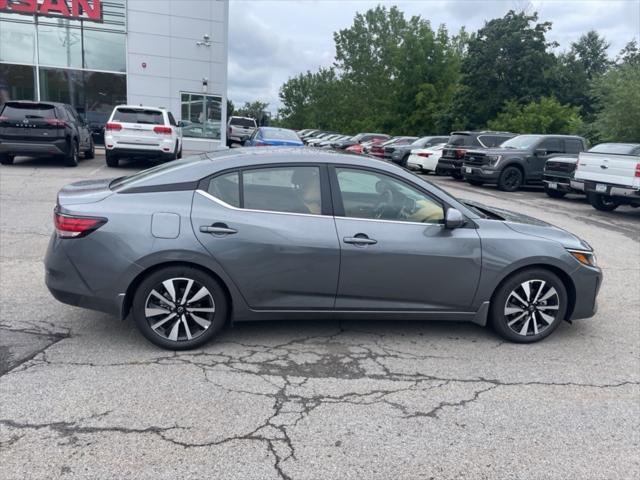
<point>518,161</point>
<point>38,129</point>
<point>459,142</point>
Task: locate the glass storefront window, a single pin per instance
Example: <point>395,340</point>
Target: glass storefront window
<point>17,41</point>
<point>104,51</point>
<point>60,46</point>
<point>104,91</point>
<point>201,115</point>
<point>17,82</point>
<point>66,86</point>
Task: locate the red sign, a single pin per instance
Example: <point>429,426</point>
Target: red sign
<point>76,9</point>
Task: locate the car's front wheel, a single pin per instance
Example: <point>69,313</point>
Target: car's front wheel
<point>528,306</point>
<point>179,308</point>
<point>510,179</point>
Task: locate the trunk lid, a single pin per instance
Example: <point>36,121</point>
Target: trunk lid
<point>30,121</point>
<point>86,191</point>
<point>137,126</point>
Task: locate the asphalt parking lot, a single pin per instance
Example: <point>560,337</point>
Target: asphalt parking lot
<point>83,395</point>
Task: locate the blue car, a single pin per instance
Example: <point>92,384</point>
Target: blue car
<point>270,136</point>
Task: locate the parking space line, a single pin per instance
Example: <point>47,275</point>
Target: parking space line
<point>93,172</point>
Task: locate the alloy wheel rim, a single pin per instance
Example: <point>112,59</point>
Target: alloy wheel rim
<point>532,307</point>
<point>512,179</point>
<point>179,309</point>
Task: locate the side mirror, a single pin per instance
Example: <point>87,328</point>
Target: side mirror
<point>540,152</point>
<point>454,219</point>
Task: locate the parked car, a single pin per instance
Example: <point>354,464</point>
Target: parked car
<point>400,153</point>
<point>322,138</point>
<point>96,122</point>
<point>425,159</point>
<point>135,131</point>
<point>364,147</point>
<point>272,234</point>
<point>328,143</point>
<point>359,138</point>
<point>379,150</point>
<point>518,161</point>
<point>43,129</point>
<point>560,169</point>
<point>610,176</point>
<point>273,136</point>
<point>460,142</point>
<point>239,129</point>
<point>309,133</point>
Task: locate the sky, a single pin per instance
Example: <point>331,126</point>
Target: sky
<point>272,40</point>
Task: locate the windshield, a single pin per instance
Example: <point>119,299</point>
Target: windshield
<point>521,142</point>
<point>279,134</point>
<point>617,148</point>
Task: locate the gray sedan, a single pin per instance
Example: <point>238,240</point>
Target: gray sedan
<point>253,234</point>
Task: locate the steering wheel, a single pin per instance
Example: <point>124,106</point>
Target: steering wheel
<point>385,201</point>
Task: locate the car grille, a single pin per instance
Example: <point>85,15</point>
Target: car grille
<point>560,167</point>
<point>474,158</point>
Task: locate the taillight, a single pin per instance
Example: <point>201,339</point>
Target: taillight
<point>56,122</point>
<point>459,152</point>
<point>70,226</point>
<point>424,154</point>
<point>162,129</point>
<point>113,126</point>
<point>637,169</point>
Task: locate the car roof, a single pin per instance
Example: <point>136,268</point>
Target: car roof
<point>141,107</point>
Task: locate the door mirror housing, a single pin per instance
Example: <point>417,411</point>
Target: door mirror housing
<point>540,152</point>
<point>454,219</point>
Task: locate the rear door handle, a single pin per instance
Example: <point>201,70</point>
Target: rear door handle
<point>218,229</point>
<point>359,239</point>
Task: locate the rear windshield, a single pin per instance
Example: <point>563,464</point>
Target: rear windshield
<point>161,169</point>
<point>462,140</point>
<point>279,134</point>
<point>138,115</point>
<point>243,122</point>
<point>617,148</point>
<point>17,111</point>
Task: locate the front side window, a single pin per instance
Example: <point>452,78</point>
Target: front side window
<point>552,145</point>
<point>573,145</point>
<point>374,195</point>
<point>283,189</point>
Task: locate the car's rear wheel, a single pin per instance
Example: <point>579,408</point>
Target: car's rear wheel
<point>112,159</point>
<point>475,183</point>
<point>554,193</point>
<point>510,179</point>
<point>91,151</point>
<point>6,159</point>
<point>528,306</point>
<point>180,308</point>
<point>72,158</point>
<point>604,203</point>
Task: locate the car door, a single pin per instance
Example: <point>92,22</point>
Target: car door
<point>395,252</point>
<point>80,126</point>
<point>545,148</point>
<point>271,230</point>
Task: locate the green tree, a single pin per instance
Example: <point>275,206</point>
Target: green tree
<point>617,95</point>
<point>507,59</point>
<point>545,115</point>
<point>257,110</point>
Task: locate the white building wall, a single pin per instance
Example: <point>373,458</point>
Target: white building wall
<point>166,42</point>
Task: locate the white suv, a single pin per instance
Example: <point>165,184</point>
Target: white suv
<point>137,131</point>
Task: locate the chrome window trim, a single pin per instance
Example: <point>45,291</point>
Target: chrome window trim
<point>231,207</point>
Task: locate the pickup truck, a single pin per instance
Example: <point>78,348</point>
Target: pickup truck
<point>239,129</point>
<point>610,179</point>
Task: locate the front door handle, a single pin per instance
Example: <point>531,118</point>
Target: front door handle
<point>360,239</point>
<point>218,229</point>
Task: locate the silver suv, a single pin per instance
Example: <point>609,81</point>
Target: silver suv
<point>138,131</point>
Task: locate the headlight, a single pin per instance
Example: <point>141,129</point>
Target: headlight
<point>494,159</point>
<point>585,257</point>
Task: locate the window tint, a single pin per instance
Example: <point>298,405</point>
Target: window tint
<point>552,145</point>
<point>138,115</point>
<point>573,145</point>
<point>279,134</point>
<point>286,189</point>
<point>375,195</point>
<point>16,111</point>
<point>492,140</point>
<point>462,140</point>
<point>227,188</point>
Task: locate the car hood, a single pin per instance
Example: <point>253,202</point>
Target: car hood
<point>527,225</point>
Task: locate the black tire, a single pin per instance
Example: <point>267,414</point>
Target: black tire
<point>457,174</point>
<point>403,160</point>
<point>503,301</point>
<point>72,157</point>
<point>179,155</point>
<point>510,179</point>
<point>91,152</point>
<point>475,183</point>
<point>554,193</point>
<point>604,203</point>
<point>112,159</point>
<point>180,276</point>
<point>6,159</point>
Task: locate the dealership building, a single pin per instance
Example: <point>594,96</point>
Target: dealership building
<point>96,54</point>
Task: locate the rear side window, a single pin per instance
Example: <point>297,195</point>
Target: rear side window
<point>135,115</point>
<point>462,140</point>
<point>243,122</point>
<point>551,145</point>
<point>287,189</point>
<point>492,140</point>
<point>227,188</point>
<point>16,111</point>
<point>573,145</point>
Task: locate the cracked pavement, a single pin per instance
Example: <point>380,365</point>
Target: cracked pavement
<point>83,395</point>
